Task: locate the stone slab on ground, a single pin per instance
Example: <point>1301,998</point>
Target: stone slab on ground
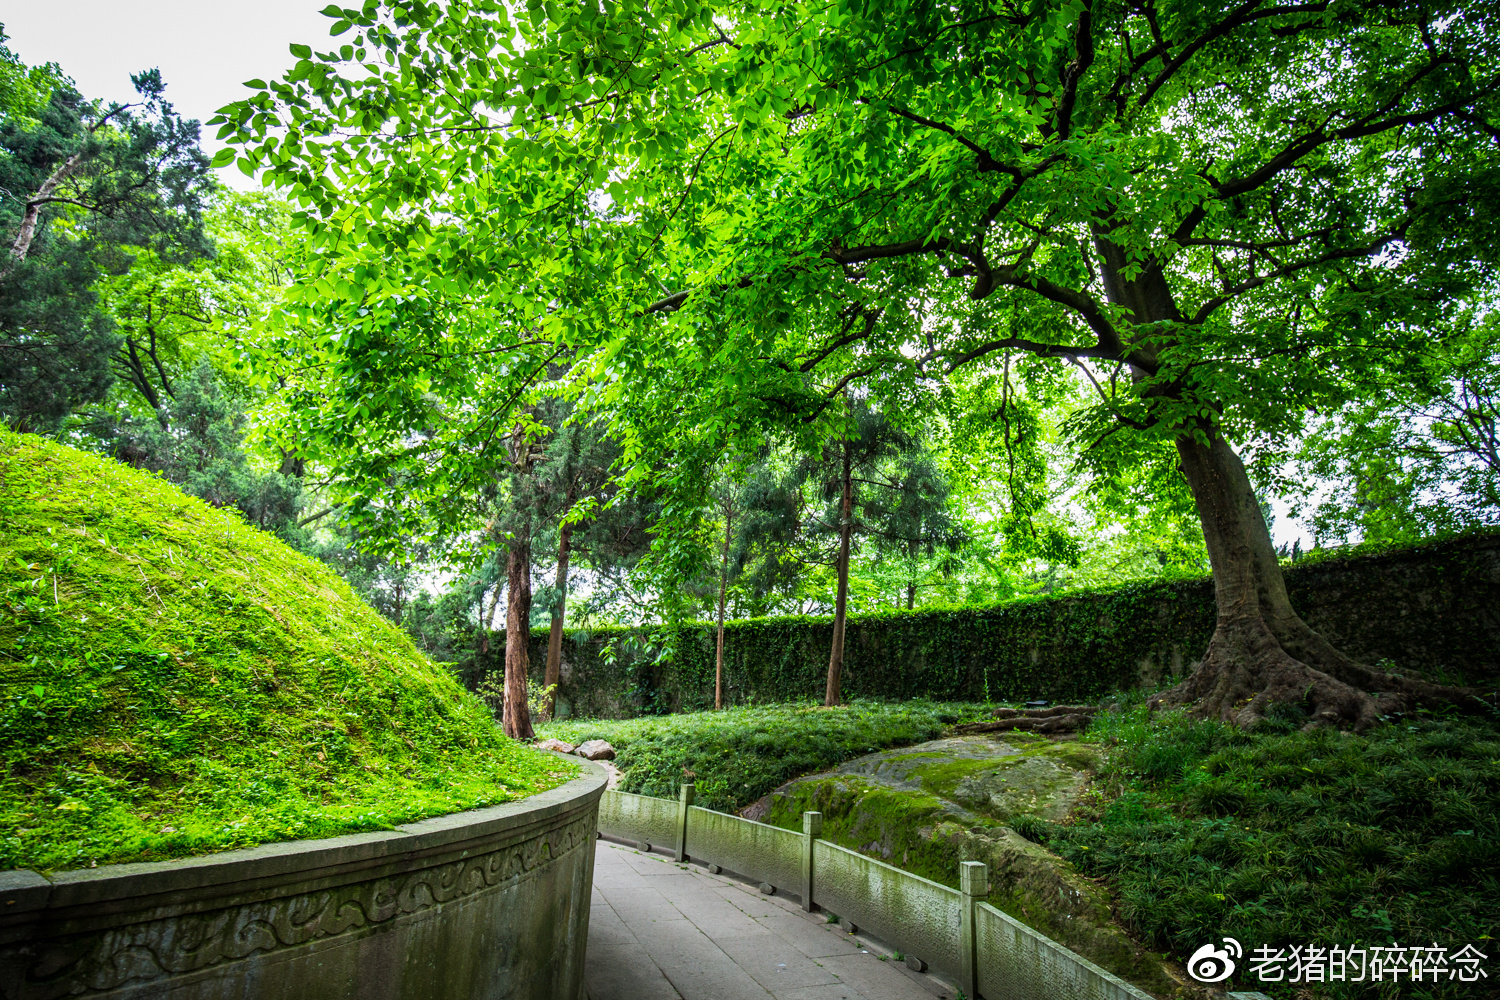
<point>658,929</point>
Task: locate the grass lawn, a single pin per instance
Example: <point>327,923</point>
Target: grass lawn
<point>174,681</point>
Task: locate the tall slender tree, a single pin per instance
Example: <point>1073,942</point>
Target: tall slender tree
<point>516,716</point>
<point>576,497</point>
<point>726,497</point>
<point>874,482</point>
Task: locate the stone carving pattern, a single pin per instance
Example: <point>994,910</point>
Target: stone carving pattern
<point>188,943</point>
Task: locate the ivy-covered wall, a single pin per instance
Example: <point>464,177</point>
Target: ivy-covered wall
<point>1433,610</point>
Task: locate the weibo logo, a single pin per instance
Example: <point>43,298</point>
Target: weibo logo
<point>1214,965</point>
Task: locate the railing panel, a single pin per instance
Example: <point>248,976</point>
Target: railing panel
<point>755,850</point>
<point>1017,963</point>
<point>639,817</point>
<point>908,912</point>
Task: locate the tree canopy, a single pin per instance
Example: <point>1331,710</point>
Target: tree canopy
<point>1222,214</point>
<point>87,185</point>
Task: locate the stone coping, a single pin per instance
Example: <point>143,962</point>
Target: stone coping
<point>22,890</point>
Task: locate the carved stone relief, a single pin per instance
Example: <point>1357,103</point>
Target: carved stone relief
<point>86,964</point>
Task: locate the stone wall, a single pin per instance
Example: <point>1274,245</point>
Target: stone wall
<point>1432,610</point>
<point>490,904</point>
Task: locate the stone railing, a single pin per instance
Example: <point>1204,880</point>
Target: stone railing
<point>982,950</point>
<point>483,905</point>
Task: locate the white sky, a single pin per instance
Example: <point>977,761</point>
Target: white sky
<point>206,49</point>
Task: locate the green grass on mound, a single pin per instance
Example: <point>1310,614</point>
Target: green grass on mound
<point>174,681</point>
<point>737,755</point>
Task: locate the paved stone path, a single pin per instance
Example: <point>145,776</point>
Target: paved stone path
<point>663,931</point>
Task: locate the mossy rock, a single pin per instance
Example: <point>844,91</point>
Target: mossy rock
<point>980,777</point>
<point>174,681</point>
<point>928,807</point>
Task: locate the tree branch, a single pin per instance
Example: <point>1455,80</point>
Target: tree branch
<point>1249,284</point>
<point>1309,141</point>
<point>987,162</point>
<point>1108,399</point>
<point>857,255</point>
<point>1084,58</point>
<point>844,341</point>
<point>1041,350</point>
<point>318,516</point>
<point>1244,14</point>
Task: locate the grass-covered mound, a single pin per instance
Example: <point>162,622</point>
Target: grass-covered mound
<point>176,681</point>
<point>740,754</point>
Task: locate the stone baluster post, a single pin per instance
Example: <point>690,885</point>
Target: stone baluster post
<point>684,800</point>
<point>812,829</point>
<point>974,881</point>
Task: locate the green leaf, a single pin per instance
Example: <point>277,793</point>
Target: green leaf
<point>223,157</point>
<point>301,51</point>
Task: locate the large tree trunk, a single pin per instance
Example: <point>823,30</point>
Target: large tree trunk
<point>517,638</point>
<point>517,714</point>
<point>293,463</point>
<point>1262,653</point>
<point>846,527</point>
<point>553,675</point>
<point>1247,667</point>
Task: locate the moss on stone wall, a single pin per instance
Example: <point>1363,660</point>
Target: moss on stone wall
<point>956,800</point>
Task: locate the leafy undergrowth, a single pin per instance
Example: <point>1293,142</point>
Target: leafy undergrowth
<point>1282,837</point>
<point>176,682</point>
<point>740,754</point>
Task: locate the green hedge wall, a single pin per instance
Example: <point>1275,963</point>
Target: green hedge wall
<point>1432,609</point>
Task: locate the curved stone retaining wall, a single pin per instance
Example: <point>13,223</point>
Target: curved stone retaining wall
<point>481,905</point>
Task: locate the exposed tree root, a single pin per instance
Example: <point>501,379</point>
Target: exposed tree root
<point>1057,719</point>
<point>1262,652</point>
<point>1249,667</point>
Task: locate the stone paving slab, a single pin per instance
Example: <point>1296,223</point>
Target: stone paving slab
<point>663,931</point>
